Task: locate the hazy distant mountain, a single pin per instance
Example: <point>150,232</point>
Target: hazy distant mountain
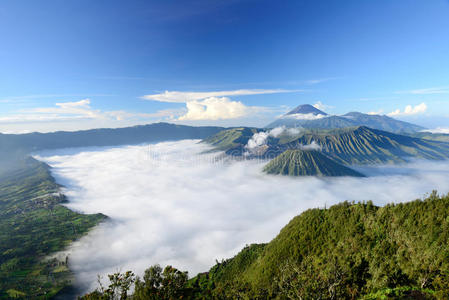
<point>24,143</point>
<point>306,109</point>
<point>382,122</point>
<point>307,116</point>
<point>307,163</point>
<point>298,116</point>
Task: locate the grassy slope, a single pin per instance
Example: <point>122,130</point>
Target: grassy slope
<point>376,250</point>
<point>33,224</point>
<point>307,163</point>
<point>230,138</point>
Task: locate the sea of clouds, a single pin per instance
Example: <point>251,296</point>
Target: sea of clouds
<point>171,203</point>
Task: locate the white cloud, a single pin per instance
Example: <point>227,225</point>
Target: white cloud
<point>311,146</point>
<point>321,106</point>
<point>320,80</point>
<point>213,105</point>
<point>169,205</point>
<point>82,110</point>
<point>259,139</point>
<point>427,91</point>
<point>62,111</point>
<point>214,108</point>
<point>79,109</point>
<point>410,110</point>
<point>444,130</point>
<point>183,97</point>
<point>310,116</point>
<point>379,112</point>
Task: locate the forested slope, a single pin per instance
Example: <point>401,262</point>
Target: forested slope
<point>347,251</point>
<point>33,224</point>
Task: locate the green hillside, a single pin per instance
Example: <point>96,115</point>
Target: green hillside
<point>307,163</point>
<point>347,251</point>
<point>231,138</point>
<point>33,225</point>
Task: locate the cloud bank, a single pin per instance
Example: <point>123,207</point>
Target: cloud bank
<point>410,110</point>
<point>78,110</point>
<point>169,204</point>
<point>443,130</point>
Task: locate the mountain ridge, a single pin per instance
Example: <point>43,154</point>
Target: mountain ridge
<point>307,163</point>
<point>350,119</point>
<point>347,146</point>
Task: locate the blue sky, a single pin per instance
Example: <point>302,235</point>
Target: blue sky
<point>67,65</point>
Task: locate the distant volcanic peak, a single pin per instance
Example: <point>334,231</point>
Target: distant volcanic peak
<point>306,109</point>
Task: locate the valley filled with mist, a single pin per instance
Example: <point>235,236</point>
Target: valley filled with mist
<point>177,203</point>
<point>224,149</point>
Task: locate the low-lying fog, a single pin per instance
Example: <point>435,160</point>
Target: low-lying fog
<point>169,204</point>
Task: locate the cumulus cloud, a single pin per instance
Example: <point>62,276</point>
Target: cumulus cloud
<point>183,97</point>
<point>260,138</point>
<point>312,146</point>
<point>214,108</point>
<point>168,204</point>
<point>213,105</point>
<point>410,110</point>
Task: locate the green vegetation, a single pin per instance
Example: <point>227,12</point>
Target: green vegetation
<point>347,251</point>
<point>34,224</point>
<point>231,138</point>
<point>307,163</point>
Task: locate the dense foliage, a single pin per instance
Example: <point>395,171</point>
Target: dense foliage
<point>33,225</point>
<point>347,251</point>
